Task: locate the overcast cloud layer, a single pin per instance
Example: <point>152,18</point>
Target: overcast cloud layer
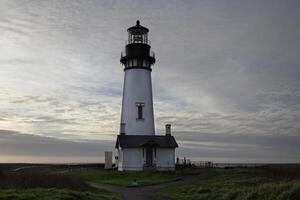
<point>227,77</point>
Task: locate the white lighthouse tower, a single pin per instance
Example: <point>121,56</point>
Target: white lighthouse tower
<point>137,106</point>
<point>138,146</point>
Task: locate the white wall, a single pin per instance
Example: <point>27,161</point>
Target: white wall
<point>137,88</point>
<point>165,159</point>
<point>120,158</point>
<point>108,160</point>
<point>132,159</point>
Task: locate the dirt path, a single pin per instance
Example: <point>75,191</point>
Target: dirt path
<point>148,192</point>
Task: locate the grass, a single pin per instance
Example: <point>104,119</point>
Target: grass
<point>36,185</point>
<point>54,194</point>
<point>124,178</point>
<point>277,182</point>
<point>238,184</point>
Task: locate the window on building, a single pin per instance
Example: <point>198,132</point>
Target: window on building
<point>140,110</point>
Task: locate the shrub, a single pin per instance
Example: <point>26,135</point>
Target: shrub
<point>40,180</point>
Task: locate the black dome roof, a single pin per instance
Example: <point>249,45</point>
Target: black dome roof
<point>138,27</point>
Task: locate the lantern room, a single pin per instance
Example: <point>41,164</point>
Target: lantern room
<point>137,34</point>
<point>137,52</point>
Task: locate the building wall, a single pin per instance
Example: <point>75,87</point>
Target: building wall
<point>120,158</point>
<point>108,160</point>
<point>131,159</point>
<point>137,88</point>
<point>165,159</point>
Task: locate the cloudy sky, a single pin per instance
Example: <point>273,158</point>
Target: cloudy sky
<point>227,77</point>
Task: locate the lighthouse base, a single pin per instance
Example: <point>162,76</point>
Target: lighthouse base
<point>143,153</point>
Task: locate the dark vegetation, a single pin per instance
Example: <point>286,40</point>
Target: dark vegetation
<point>66,182</point>
<point>45,182</point>
<point>38,176</point>
<point>41,180</point>
<point>55,194</point>
<point>291,172</point>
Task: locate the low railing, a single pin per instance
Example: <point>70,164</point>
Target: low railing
<point>123,54</point>
<point>138,42</point>
<point>152,54</point>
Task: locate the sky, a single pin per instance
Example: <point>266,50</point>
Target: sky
<point>227,77</point>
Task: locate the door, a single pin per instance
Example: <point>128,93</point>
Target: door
<point>149,156</point>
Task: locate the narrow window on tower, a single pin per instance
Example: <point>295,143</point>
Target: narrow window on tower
<point>140,110</point>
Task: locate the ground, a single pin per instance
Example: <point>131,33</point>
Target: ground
<point>272,182</point>
<point>54,194</point>
<point>98,175</point>
<point>241,184</point>
<point>150,192</point>
<point>22,182</point>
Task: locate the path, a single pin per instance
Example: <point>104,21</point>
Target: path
<point>27,167</point>
<point>148,192</point>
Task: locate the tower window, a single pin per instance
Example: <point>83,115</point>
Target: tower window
<point>140,110</point>
<point>134,62</point>
<point>145,63</point>
<point>140,63</point>
<point>137,38</point>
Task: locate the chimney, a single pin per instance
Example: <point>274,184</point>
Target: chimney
<point>122,129</point>
<point>168,129</point>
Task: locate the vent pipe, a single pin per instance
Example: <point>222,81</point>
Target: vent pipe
<point>122,128</point>
<point>168,129</point>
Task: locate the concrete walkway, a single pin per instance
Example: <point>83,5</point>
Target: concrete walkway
<point>148,192</point>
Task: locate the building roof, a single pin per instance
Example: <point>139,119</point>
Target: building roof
<point>133,141</point>
<point>138,27</point>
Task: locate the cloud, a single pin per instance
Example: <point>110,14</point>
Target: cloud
<point>194,145</point>
<point>222,68</point>
<point>62,116</point>
<point>19,145</point>
<point>238,147</point>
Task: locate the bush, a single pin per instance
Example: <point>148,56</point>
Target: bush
<point>39,180</point>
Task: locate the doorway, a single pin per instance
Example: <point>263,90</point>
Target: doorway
<point>149,156</point>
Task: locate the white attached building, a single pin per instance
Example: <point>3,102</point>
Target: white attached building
<point>138,146</point>
<point>140,152</point>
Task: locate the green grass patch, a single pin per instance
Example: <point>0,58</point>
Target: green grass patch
<point>124,178</point>
<point>238,184</point>
<point>55,194</point>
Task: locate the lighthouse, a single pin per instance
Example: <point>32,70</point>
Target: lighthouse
<point>137,105</point>
<point>138,147</point>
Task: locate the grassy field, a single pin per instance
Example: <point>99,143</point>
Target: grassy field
<point>124,178</point>
<point>272,182</point>
<point>240,184</point>
<point>37,184</point>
